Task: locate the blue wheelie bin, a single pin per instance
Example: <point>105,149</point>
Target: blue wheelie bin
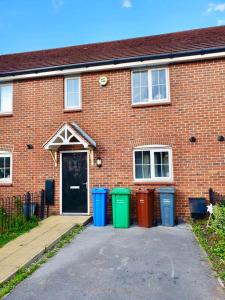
<point>99,203</point>
<point>167,205</point>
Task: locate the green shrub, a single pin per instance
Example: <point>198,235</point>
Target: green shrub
<point>3,218</point>
<point>2,213</point>
<point>218,249</point>
<point>218,220</point>
<point>212,239</point>
<point>18,205</point>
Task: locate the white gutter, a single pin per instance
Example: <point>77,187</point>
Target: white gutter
<point>163,61</point>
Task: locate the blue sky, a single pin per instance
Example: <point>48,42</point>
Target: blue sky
<point>39,24</point>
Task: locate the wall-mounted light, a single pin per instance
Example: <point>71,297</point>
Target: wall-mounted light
<point>99,162</point>
<point>30,146</point>
<point>192,139</point>
<point>220,138</point>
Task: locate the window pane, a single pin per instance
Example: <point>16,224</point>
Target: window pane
<point>155,77</point>
<point>144,93</point>
<point>73,93</point>
<point>165,170</point>
<point>146,157</point>
<point>155,92</point>
<point>162,76</point>
<point>136,79</point>
<point>157,158</point>
<point>7,162</point>
<point>159,84</point>
<point>159,92</point>
<point>165,158</point>
<point>138,171</point>
<point>140,86</point>
<point>136,95</point>
<point>72,85</point>
<point>69,83</point>
<point>73,99</point>
<point>6,98</point>
<point>146,171</point>
<point>158,172</point>
<point>7,172</point>
<point>162,92</point>
<point>138,157</point>
<point>144,78</point>
<point>1,173</point>
<point>1,162</point>
<point>161,164</point>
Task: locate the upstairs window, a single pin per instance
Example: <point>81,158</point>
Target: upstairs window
<point>72,93</point>
<point>6,98</point>
<point>5,167</point>
<point>150,86</point>
<point>153,164</point>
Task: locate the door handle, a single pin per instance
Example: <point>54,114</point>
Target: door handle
<point>74,187</point>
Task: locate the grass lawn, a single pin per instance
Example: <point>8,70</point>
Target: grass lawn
<point>14,232</point>
<point>214,245</point>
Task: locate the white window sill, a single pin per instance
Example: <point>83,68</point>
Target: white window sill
<point>72,109</point>
<point>5,183</point>
<point>147,182</point>
<point>6,114</point>
<point>154,180</point>
<point>151,103</point>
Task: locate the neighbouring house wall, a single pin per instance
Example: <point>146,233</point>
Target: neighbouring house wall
<point>197,109</point>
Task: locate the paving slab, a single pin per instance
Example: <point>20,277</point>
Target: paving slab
<point>125,264</point>
<point>26,248</point>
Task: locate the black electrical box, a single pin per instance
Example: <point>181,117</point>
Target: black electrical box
<point>50,191</point>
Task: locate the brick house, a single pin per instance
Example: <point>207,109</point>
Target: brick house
<point>150,110</point>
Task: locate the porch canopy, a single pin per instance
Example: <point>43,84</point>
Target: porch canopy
<point>69,134</point>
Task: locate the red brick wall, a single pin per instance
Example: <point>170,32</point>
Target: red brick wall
<point>197,109</point>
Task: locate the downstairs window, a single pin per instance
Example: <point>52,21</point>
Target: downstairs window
<point>5,167</point>
<point>153,163</point>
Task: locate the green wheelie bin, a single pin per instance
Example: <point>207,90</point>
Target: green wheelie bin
<point>121,207</point>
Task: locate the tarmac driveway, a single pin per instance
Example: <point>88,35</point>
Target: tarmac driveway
<point>119,264</point>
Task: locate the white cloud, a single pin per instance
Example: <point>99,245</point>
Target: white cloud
<point>127,4</point>
<point>57,3</point>
<point>215,7</point>
<point>220,22</point>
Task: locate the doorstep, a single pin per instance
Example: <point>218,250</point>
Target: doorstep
<point>28,247</point>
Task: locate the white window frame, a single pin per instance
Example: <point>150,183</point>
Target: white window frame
<point>66,107</point>
<point>153,149</point>
<point>11,111</point>
<point>7,154</point>
<point>150,100</point>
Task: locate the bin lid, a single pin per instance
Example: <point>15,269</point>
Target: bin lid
<point>120,191</point>
<point>167,190</point>
<point>144,191</point>
<point>99,190</point>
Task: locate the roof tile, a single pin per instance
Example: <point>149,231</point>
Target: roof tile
<point>197,39</point>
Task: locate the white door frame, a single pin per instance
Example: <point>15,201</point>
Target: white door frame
<point>88,190</point>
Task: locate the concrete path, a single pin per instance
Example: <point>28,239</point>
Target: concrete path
<point>121,264</point>
<point>29,246</point>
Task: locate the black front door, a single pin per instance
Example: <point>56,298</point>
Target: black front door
<point>74,182</point>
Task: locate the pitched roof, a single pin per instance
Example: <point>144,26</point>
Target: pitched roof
<point>69,134</point>
<point>192,40</point>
